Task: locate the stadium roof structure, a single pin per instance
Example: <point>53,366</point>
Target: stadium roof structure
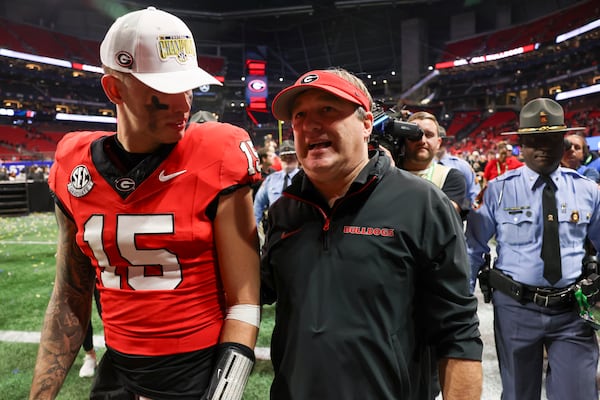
<point>295,36</point>
<point>390,44</point>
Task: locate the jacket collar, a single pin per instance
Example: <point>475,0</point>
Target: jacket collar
<point>302,187</point>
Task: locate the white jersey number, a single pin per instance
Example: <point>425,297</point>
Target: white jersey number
<point>128,228</point>
<point>253,162</point>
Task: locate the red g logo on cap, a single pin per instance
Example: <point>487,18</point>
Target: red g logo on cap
<point>310,78</point>
<point>124,59</point>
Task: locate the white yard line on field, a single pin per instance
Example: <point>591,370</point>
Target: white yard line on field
<point>261,353</point>
<point>24,242</point>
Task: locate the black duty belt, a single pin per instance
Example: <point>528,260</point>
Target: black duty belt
<point>543,297</point>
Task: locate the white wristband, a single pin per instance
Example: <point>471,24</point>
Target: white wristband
<point>248,313</point>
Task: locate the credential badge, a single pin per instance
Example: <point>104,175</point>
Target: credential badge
<point>81,181</point>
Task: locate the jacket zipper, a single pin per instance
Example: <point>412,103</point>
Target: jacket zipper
<point>318,316</point>
<point>327,222</point>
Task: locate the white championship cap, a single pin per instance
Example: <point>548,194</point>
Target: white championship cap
<point>157,48</point>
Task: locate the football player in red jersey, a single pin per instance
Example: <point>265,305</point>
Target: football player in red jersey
<point>160,214</point>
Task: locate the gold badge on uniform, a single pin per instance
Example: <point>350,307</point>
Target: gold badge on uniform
<point>575,216</point>
<point>550,217</point>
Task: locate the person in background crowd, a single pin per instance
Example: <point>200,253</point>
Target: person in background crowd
<point>274,185</point>
<point>491,155</point>
<point>588,155</point>
<point>4,174</point>
<point>160,214</point>
<point>88,368</point>
<point>366,263</point>
<point>13,177</point>
<point>272,146</point>
<point>478,167</point>
<point>541,215</point>
<point>502,163</point>
<point>35,173</point>
<point>419,159</point>
<point>591,160</point>
<point>447,159</point>
<point>470,158</point>
<point>265,157</point>
<point>573,157</point>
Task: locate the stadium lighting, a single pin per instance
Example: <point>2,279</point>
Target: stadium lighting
<point>569,94</point>
<point>419,84</point>
<point>85,118</point>
<point>31,57</point>
<point>488,57</point>
<point>50,61</point>
<point>578,31</point>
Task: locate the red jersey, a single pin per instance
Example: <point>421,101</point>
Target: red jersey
<point>149,232</point>
<point>495,168</point>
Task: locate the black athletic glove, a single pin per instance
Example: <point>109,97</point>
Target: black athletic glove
<point>231,372</point>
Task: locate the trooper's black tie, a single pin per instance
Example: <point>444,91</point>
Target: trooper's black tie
<point>550,242</point>
<point>285,182</point>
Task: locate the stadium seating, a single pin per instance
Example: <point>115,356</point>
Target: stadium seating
<point>542,30</point>
<point>463,91</point>
<point>462,121</point>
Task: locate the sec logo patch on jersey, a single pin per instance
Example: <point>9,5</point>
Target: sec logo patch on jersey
<point>81,182</point>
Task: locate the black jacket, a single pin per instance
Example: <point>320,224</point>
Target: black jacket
<point>363,288</point>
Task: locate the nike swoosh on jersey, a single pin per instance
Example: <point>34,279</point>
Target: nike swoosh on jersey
<point>285,235</point>
<point>164,177</point>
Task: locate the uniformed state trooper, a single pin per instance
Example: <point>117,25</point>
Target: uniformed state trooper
<point>533,277</point>
<point>274,184</point>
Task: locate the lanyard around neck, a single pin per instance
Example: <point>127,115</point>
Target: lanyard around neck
<point>429,173</point>
<point>498,167</point>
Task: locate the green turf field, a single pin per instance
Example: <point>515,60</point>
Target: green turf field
<point>27,249</point>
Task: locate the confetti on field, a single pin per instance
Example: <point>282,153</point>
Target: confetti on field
<point>35,226</point>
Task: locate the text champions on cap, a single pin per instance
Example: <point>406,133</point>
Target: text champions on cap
<point>179,47</point>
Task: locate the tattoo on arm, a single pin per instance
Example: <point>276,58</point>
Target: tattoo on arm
<point>68,313</point>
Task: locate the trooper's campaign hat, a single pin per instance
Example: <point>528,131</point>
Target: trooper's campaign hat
<point>542,115</point>
<point>287,148</point>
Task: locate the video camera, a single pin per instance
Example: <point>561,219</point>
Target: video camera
<point>390,130</point>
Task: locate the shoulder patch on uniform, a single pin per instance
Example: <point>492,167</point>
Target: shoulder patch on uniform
<point>81,182</point>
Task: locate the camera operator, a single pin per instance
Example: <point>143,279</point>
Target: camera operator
<point>417,156</point>
<point>419,159</point>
